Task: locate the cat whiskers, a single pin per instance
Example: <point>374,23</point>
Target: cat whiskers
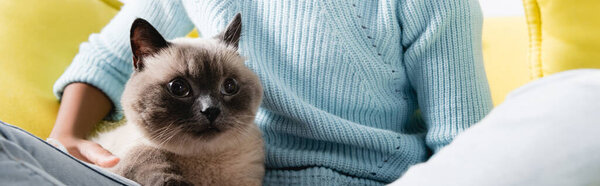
<point>162,133</point>
<point>239,128</point>
<point>165,134</point>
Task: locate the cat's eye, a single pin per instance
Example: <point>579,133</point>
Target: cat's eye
<point>179,87</point>
<point>230,87</point>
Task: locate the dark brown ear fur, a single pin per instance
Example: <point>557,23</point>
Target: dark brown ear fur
<point>145,41</point>
<point>231,34</point>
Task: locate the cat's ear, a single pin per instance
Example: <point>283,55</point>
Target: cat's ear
<point>231,34</point>
<point>145,41</point>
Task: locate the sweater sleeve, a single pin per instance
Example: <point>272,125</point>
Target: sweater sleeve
<point>443,58</point>
<point>104,61</point>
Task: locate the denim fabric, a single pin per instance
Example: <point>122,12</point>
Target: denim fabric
<point>545,133</point>
<point>28,160</point>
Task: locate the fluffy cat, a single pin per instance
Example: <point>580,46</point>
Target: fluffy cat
<point>190,106</point>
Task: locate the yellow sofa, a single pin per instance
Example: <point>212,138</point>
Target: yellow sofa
<point>554,36</point>
<point>38,39</point>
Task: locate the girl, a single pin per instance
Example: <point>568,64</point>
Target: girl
<point>355,91</point>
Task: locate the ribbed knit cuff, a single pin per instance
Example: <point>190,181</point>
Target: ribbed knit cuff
<point>96,76</point>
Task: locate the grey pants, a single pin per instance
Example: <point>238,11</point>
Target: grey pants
<point>28,160</point>
<point>545,133</point>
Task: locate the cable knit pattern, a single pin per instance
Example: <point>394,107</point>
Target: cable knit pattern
<point>355,91</point>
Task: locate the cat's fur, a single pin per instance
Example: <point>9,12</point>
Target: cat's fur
<point>167,139</point>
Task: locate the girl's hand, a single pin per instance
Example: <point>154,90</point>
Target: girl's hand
<point>89,151</point>
<point>82,107</point>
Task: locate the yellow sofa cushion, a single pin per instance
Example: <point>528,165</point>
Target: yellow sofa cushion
<point>563,35</point>
<point>505,55</point>
<point>38,40</point>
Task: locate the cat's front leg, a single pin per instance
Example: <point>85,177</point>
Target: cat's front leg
<point>164,179</point>
<point>150,166</point>
<point>147,176</point>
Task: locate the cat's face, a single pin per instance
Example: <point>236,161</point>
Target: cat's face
<point>190,90</point>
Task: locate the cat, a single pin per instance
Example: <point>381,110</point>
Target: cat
<point>190,106</point>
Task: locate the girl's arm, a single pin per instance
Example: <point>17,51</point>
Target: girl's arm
<point>443,58</point>
<point>82,106</point>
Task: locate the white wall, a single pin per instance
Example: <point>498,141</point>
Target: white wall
<point>498,8</point>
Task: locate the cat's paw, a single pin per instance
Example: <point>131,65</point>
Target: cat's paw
<point>177,182</point>
<point>164,180</point>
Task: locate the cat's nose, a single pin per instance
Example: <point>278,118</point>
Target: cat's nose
<point>211,113</point>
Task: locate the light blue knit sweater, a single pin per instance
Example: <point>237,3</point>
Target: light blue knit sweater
<point>355,91</point>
